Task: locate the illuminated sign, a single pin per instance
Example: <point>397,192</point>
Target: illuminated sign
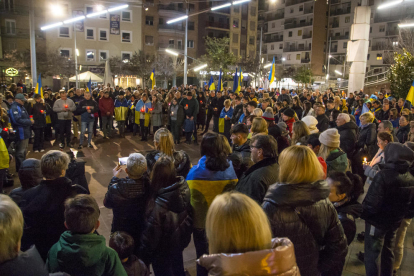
<point>12,72</point>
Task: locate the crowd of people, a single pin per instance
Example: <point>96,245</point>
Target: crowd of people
<point>282,179</point>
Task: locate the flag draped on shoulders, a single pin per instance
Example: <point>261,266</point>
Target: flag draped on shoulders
<point>39,88</point>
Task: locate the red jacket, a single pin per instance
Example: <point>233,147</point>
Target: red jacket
<point>324,166</point>
<point>106,105</point>
<point>289,124</point>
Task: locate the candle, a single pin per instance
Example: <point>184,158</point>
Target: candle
<point>31,118</point>
<point>201,102</point>
<point>42,111</point>
<point>5,129</point>
<point>365,161</point>
<point>88,107</point>
<point>172,113</point>
<point>66,106</point>
<point>186,105</point>
<point>142,110</point>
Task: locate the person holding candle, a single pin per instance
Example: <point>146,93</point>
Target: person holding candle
<point>64,108</point>
<point>106,106</point>
<point>191,107</point>
<point>176,113</point>
<point>86,109</point>
<point>201,117</point>
<point>121,112</point>
<point>39,112</point>
<point>156,113</point>
<point>225,119</point>
<point>142,115</point>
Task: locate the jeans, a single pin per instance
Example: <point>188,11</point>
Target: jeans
<point>39,138</point>
<point>201,246</point>
<point>76,126</point>
<point>121,127</point>
<point>64,130</point>
<point>170,265</point>
<point>379,242</point>
<point>21,151</point>
<point>175,130</point>
<point>85,125</point>
<point>209,116</point>
<point>399,242</point>
<point>107,125</point>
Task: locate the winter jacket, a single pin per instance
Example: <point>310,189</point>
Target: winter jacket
<point>84,254</point>
<point>337,161</point>
<point>169,225</point>
<point>285,97</point>
<point>82,110</point>
<point>382,115</point>
<point>323,122</point>
<point>217,105</point>
<point>127,198</point>
<point>241,158</point>
<point>348,137</point>
<point>278,260</point>
<point>402,134</point>
<point>373,168</point>
<point>225,124</point>
<point>347,213</point>
<point>237,113</point>
<point>367,139</point>
<point>43,212</point>
<point>77,99</point>
<point>26,263</point>
<point>205,185</point>
<point>298,110</point>
<point>106,105</point>
<point>156,114</point>
<point>182,161</point>
<point>64,113</point>
<point>39,111</point>
<point>392,189</point>
<point>135,267</point>
<point>121,109</point>
<point>257,179</point>
<point>303,213</point>
<point>201,117</point>
<point>192,110</point>
<point>20,121</point>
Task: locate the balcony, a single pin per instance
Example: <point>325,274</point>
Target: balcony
<point>276,16</point>
<point>305,60</point>
<point>395,18</point>
<point>296,49</point>
<point>392,33</point>
<point>218,25</point>
<point>305,36</point>
<point>273,39</point>
<point>340,11</point>
<point>171,28</point>
<point>22,33</point>
<point>171,8</point>
<point>381,47</point>
<point>339,37</point>
<point>308,11</point>
<point>335,61</point>
<point>294,2</point>
<point>334,25</point>
<point>297,25</point>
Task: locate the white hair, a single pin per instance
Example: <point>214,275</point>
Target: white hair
<point>345,116</point>
<point>136,165</point>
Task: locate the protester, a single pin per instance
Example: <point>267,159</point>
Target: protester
<point>311,123</point>
<point>106,106</point>
<point>259,126</point>
<point>156,114</point>
<point>87,108</point>
<point>241,155</point>
<point>64,108</point>
<point>386,126</point>
<point>121,113</point>
<point>226,116</point>
<point>30,175</point>
<point>348,131</point>
<point>201,116</point>
<point>76,120</point>
<point>300,133</point>
<point>404,129</point>
<point>39,111</point>
<point>191,109</point>
<point>142,113</point>
<point>335,158</point>
<point>323,120</point>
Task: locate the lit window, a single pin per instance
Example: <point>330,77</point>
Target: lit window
<point>126,56</point>
<point>126,36</point>
<point>103,55</point>
<point>90,55</point>
<point>379,56</point>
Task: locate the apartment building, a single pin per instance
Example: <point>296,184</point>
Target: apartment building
<point>294,32</point>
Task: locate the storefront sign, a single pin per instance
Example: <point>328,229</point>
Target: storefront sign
<point>115,24</point>
<point>12,72</point>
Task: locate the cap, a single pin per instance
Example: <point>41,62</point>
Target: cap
<point>20,97</point>
<point>122,93</point>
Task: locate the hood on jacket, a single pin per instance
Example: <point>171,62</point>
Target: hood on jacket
<point>398,157</point>
<point>302,194</point>
<point>279,260</point>
<point>352,207</point>
<point>75,250</point>
<point>172,197</point>
<point>30,174</point>
<point>350,125</point>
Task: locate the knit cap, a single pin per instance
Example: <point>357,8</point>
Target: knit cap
<point>289,112</point>
<point>330,138</point>
<point>311,122</point>
<point>283,128</point>
<point>268,116</point>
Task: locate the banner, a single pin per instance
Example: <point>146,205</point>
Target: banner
<point>78,25</point>
<point>115,21</point>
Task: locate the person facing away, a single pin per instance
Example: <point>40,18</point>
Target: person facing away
<point>80,250</point>
<point>240,240</point>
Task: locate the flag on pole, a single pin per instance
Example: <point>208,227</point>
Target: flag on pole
<point>236,87</point>
<point>272,72</point>
<point>211,85</point>
<point>240,79</point>
<point>152,77</point>
<point>39,88</point>
<point>89,86</point>
<point>410,95</point>
<point>365,109</point>
<point>220,83</point>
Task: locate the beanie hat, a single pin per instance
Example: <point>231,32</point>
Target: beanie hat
<point>289,112</point>
<point>283,128</point>
<point>311,122</point>
<point>30,173</point>
<point>268,116</point>
<point>330,138</point>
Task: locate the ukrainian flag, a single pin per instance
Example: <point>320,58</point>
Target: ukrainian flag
<point>410,95</point>
<point>211,85</point>
<point>39,88</point>
<point>220,83</point>
<point>272,72</point>
<point>236,87</point>
<point>152,77</point>
<point>89,86</point>
<point>240,79</point>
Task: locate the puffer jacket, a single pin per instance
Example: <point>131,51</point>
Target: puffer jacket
<point>391,191</point>
<point>402,133</point>
<point>303,213</point>
<point>169,225</point>
<point>367,138</point>
<point>241,158</point>
<point>127,198</point>
<point>181,161</point>
<point>278,260</point>
<point>348,137</point>
<point>337,161</point>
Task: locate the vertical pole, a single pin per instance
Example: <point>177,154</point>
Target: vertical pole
<point>185,47</point>
<point>260,55</point>
<point>76,58</point>
<point>32,43</point>
<point>329,59</point>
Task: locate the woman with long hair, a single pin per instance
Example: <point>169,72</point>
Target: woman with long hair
<point>238,232</point>
<point>307,109</point>
<point>299,130</point>
<point>212,175</point>
<point>259,126</point>
<point>164,145</point>
<point>298,208</point>
<point>297,106</point>
<point>169,220</point>
<point>335,158</point>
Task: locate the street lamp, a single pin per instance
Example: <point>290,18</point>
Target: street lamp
<point>389,4</point>
<point>200,67</point>
<point>337,72</point>
<point>406,25</point>
<point>171,52</point>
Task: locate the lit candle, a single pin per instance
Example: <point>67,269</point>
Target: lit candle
<point>31,117</point>
<point>42,111</point>
<point>365,161</point>
<point>88,107</point>
<point>142,110</point>
<point>66,106</point>
<point>201,102</point>
<point>5,129</point>
<point>186,105</point>
<point>172,113</point>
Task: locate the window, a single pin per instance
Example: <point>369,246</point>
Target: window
<point>368,56</point>
<point>251,40</point>
<point>235,38</point>
<point>379,56</point>
<point>252,11</point>
<point>299,32</point>
<point>126,36</point>
<point>291,10</point>
<point>190,43</point>
<point>281,46</point>
<point>126,56</point>
<point>290,34</point>
<point>347,19</point>
<point>65,52</point>
<point>272,47</point>
<point>345,45</point>
<point>64,32</point>
<point>288,57</point>
<point>297,56</point>
<point>149,40</point>
<point>273,25</point>
<point>103,35</point>
<point>126,16</point>
<point>252,25</point>
<point>301,8</point>
<point>90,55</point>
<point>89,9</point>
<point>191,7</point>
<point>8,4</point>
<point>10,26</point>
<point>103,55</point>
<point>191,25</point>
<point>395,43</point>
<point>179,44</point>
<point>382,28</point>
<point>171,43</point>
<point>235,52</point>
<point>149,20</point>
<point>90,33</point>
<point>235,23</point>
<point>236,9</point>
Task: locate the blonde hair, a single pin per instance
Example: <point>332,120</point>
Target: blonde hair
<point>11,228</point>
<point>258,112</point>
<point>259,125</point>
<point>265,95</point>
<point>269,109</point>
<point>300,129</point>
<point>367,117</point>
<point>164,141</point>
<point>236,224</point>
<point>227,103</point>
<point>299,164</point>
<point>324,151</point>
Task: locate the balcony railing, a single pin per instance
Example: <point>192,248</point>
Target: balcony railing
<point>297,25</point>
<point>339,37</point>
<point>340,11</point>
<point>21,33</point>
<point>381,47</point>
<point>172,27</point>
<point>296,49</point>
<point>305,60</point>
<point>334,25</point>
<point>392,33</point>
<point>275,16</point>
<point>219,25</point>
<point>171,8</point>
<point>305,36</point>
<point>308,11</point>
<point>273,39</point>
<point>383,18</point>
<point>294,2</point>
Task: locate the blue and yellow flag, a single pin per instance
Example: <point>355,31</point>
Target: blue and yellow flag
<point>211,85</point>
<point>410,95</point>
<point>89,86</point>
<point>240,79</point>
<point>39,88</point>
<point>272,72</point>
<point>220,83</point>
<point>236,87</point>
<point>152,77</point>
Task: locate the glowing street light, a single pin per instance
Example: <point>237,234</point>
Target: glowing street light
<point>74,19</point>
<point>96,13</point>
<point>200,67</point>
<point>240,2</point>
<point>177,19</point>
<point>406,25</point>
<point>118,8</point>
<point>389,4</point>
<point>221,6</point>
<point>171,52</point>
<point>51,26</point>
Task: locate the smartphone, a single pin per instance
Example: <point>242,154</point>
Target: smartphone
<point>122,161</point>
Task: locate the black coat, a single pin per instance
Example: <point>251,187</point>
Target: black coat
<point>182,161</point>
<point>169,224</point>
<point>347,213</point>
<point>304,214</point>
<point>298,110</point>
<point>367,138</point>
<point>241,158</point>
<point>323,122</point>
<point>238,111</point>
<point>39,112</point>
<point>402,133</point>
<point>217,105</point>
<point>256,180</point>
<point>382,115</point>
<point>127,198</point>
<point>348,137</point>
<point>43,211</point>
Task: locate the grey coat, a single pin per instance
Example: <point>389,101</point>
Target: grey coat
<point>156,118</point>
<point>62,112</point>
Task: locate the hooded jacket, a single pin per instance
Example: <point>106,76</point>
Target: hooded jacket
<point>84,254</point>
<point>241,158</point>
<point>181,161</point>
<point>26,263</point>
<point>367,138</point>
<point>392,189</point>
<point>402,133</point>
<point>337,161</point>
<point>348,137</point>
<point>279,260</point>
<point>303,213</point>
<point>20,120</point>
<point>347,213</point>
